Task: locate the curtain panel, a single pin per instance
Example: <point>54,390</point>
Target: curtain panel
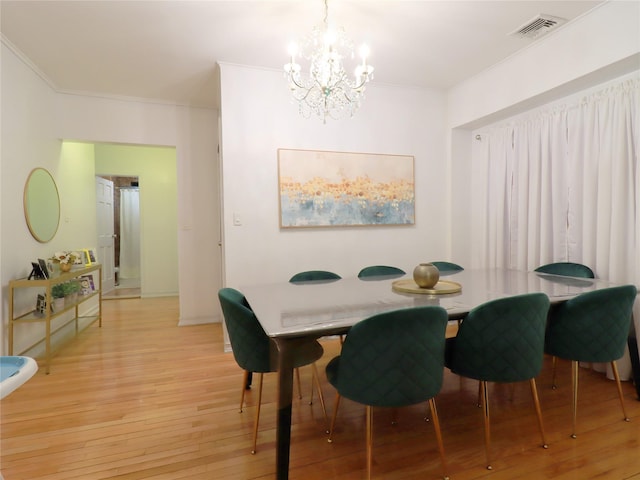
<point>562,183</point>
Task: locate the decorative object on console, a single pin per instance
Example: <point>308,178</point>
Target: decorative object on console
<point>71,290</point>
<point>57,292</point>
<point>65,260</point>
<point>36,272</point>
<point>86,284</point>
<point>44,268</point>
<point>41,305</point>
<point>426,275</point>
<point>92,255</point>
<point>327,91</point>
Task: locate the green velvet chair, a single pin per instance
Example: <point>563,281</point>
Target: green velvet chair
<point>314,275</point>
<point>501,341</point>
<point>254,351</point>
<point>447,267</point>
<point>566,269</point>
<point>380,271</point>
<point>592,327</point>
<point>393,359</point>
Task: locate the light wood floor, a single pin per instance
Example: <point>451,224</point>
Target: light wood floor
<point>121,293</point>
<point>141,398</point>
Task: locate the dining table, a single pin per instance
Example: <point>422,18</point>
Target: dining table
<point>294,314</point>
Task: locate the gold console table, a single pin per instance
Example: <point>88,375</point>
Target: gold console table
<point>48,315</point>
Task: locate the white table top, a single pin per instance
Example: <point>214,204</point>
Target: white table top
<point>290,310</point>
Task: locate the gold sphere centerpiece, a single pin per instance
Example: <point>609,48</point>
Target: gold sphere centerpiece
<point>426,275</point>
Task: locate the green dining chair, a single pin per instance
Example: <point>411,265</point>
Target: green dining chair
<point>254,351</point>
<point>592,327</point>
<point>501,341</point>
<point>314,275</point>
<point>564,269</point>
<point>392,359</point>
<point>447,267</point>
<point>380,271</point>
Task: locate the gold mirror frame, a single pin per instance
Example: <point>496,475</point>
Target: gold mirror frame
<point>41,205</point>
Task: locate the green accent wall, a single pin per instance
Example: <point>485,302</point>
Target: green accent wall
<point>156,170</point>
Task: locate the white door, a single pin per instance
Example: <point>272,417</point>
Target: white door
<point>104,221</point>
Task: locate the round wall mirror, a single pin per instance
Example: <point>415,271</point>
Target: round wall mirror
<point>41,205</point>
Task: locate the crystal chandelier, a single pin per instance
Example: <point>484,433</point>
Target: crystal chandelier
<point>327,91</point>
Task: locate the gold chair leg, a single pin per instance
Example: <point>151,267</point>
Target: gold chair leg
<point>369,439</point>
<point>436,426</point>
<point>574,403</point>
<point>298,381</point>
<point>536,402</point>
<point>487,427</point>
<point>614,367</point>
<point>255,427</point>
<point>333,418</point>
<point>316,380</point>
<point>245,377</point>
<point>554,363</point>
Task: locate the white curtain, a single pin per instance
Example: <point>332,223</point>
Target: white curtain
<point>129,233</point>
<point>563,184</point>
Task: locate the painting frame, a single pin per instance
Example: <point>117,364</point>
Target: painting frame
<point>318,188</point>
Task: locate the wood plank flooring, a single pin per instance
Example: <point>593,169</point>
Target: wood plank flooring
<point>141,398</point>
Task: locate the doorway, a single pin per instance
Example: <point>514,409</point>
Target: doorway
<point>126,230</point>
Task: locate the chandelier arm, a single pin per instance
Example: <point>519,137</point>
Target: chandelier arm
<point>304,98</point>
<point>293,80</point>
<point>360,85</point>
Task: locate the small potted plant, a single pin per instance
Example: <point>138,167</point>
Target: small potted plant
<point>58,293</point>
<point>71,290</point>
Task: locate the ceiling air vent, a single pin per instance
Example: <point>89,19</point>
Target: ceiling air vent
<point>538,25</point>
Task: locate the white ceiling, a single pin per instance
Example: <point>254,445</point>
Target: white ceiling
<point>167,50</point>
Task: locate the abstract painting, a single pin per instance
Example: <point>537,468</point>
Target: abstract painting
<point>323,189</point>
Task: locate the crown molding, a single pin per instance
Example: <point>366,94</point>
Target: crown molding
<point>24,59</point>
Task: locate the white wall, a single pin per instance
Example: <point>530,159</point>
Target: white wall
<point>35,118</point>
<point>258,118</point>
<point>27,140</point>
<point>591,49</point>
<point>192,132</point>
